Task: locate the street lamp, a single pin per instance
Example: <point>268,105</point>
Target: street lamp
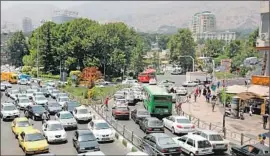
<point>193,64</point>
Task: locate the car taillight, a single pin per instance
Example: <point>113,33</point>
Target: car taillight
<point>226,146</point>
<point>179,126</point>
<point>197,152</point>
<point>117,113</point>
<point>193,126</point>
<point>179,149</point>
<point>164,151</point>
<point>149,129</point>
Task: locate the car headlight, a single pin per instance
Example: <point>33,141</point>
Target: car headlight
<point>36,114</point>
<point>46,147</point>
<point>97,147</point>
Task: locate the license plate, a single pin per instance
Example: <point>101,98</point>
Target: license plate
<point>186,127</point>
<point>172,150</point>
<point>204,150</point>
<point>157,129</point>
<point>105,139</point>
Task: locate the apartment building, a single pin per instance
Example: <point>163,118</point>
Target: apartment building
<point>27,25</point>
<point>62,16</point>
<point>203,22</point>
<point>227,36</point>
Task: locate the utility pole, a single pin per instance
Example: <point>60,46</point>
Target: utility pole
<point>60,70</point>
<point>37,52</point>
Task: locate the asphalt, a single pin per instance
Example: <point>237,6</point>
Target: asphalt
<point>10,146</point>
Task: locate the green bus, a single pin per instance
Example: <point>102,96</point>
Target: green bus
<point>157,100</point>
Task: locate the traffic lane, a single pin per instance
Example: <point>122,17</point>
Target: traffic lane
<point>115,148</point>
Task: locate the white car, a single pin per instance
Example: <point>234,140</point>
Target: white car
<point>129,82</point>
<point>189,84</point>
<point>40,100</point>
<point>92,153</point>
<point>38,94</point>
<point>30,93</point>
<point>178,124</point>
<point>23,102</point>
<point>63,100</point>
<point>82,114</point>
<point>23,82</point>
<point>9,111</point>
<point>54,131</point>
<point>218,143</point>
<point>152,81</point>
<point>102,130</point>
<point>13,94</point>
<point>120,102</point>
<point>61,95</point>
<point>3,87</point>
<point>129,96</point>
<point>137,153</point>
<point>7,84</point>
<point>193,144</point>
<point>181,90</point>
<point>54,93</point>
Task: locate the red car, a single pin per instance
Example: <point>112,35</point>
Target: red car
<point>120,112</point>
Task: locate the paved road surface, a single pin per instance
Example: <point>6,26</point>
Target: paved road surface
<point>10,146</point>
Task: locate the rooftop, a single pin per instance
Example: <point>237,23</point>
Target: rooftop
<point>156,90</point>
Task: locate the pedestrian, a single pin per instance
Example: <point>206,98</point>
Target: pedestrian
<point>200,91</point>
<point>245,82</point>
<point>213,103</point>
<point>204,92</point>
<point>250,110</point>
<point>106,102</point>
<point>218,84</point>
<point>45,117</point>
<point>265,118</point>
<point>195,96</point>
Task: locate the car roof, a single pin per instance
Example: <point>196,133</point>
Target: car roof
<point>7,104</point>
<point>84,131</point>
<point>64,112</point>
<point>209,132</point>
<point>159,135</point>
<point>261,146</point>
<point>31,131</point>
<point>53,122</point>
<point>195,137</point>
<point>81,107</point>
<point>179,117</point>
<point>99,121</point>
<point>21,119</point>
<point>152,118</point>
<point>23,98</point>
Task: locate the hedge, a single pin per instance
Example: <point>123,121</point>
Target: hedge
<point>50,76</point>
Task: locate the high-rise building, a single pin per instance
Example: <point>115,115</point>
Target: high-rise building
<point>62,16</point>
<point>203,22</point>
<point>27,25</point>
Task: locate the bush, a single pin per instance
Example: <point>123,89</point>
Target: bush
<point>75,72</point>
<point>26,69</point>
<point>85,94</point>
<point>34,72</point>
<point>50,76</point>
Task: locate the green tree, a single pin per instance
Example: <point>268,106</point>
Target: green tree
<point>213,48</point>
<point>17,47</point>
<point>182,44</point>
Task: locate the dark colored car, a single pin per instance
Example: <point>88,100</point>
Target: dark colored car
<point>44,91</point>
<point>85,141</point>
<point>53,108</point>
<point>34,111</point>
<point>250,150</point>
<point>120,112</point>
<point>151,125</point>
<point>139,114</point>
<point>71,105</point>
<point>163,143</point>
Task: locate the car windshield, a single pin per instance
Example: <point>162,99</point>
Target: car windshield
<point>40,98</point>
<point>184,121</point>
<point>15,92</point>
<point>102,125</point>
<point>204,144</point>
<point>166,141</point>
<point>23,124</point>
<point>82,111</point>
<point>34,137</point>
<point>30,91</point>
<point>63,99</point>
<point>86,137</point>
<point>24,101</point>
<point>9,108</point>
<point>143,113</point>
<point>55,127</point>
<point>215,137</point>
<point>66,116</point>
<point>38,109</point>
<point>54,105</point>
<point>155,123</point>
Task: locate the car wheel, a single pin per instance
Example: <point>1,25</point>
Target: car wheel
<point>234,154</point>
<point>173,131</point>
<point>191,154</point>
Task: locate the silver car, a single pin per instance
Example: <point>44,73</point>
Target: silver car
<point>23,102</point>
<point>66,119</point>
<point>40,100</point>
<point>54,93</point>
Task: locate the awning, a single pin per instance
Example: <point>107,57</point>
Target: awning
<point>248,95</point>
<point>236,89</point>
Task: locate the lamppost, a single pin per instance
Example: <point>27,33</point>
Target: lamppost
<point>193,64</point>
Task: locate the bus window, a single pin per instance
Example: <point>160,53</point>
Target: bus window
<point>162,98</point>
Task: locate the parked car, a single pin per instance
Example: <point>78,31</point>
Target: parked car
<point>82,114</point>
<point>102,131</point>
<point>44,91</point>
<point>162,142</point>
<point>189,84</point>
<point>23,102</point>
<point>54,131</point>
<point>139,114</point>
<point>178,124</point>
<point>3,87</point>
<point>54,93</point>
<point>53,107</point>
<point>216,140</point>
<point>62,100</point>
<point>181,90</point>
<point>66,119</point>
<point>32,141</point>
<point>250,150</point>
<point>40,100</point>
<point>71,105</point>
<point>19,125</point>
<point>9,111</point>
<point>120,112</point>
<point>193,144</point>
<point>151,125</point>
<point>84,141</point>
<point>34,111</point>
<point>7,84</point>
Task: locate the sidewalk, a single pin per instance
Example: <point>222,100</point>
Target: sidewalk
<point>250,127</point>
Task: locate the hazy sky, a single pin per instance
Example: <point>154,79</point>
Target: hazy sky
<point>59,4</point>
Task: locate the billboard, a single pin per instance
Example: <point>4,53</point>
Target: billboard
<point>226,63</point>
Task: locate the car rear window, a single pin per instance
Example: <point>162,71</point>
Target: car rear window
<point>215,137</point>
<point>204,144</point>
<point>155,123</point>
<point>166,141</point>
<point>162,98</point>
<point>184,121</point>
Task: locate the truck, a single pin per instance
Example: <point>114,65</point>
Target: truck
<point>10,77</point>
<point>198,77</point>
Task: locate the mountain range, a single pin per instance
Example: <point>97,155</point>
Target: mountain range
<point>147,16</point>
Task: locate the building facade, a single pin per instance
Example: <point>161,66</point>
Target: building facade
<point>227,36</point>
<point>263,41</point>
<point>203,22</point>
<point>27,25</point>
<point>62,16</point>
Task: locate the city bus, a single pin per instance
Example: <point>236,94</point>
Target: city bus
<point>146,75</point>
<point>157,101</point>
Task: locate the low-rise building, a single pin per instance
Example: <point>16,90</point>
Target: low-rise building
<point>227,36</point>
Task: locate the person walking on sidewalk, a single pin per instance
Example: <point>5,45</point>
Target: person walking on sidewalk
<point>250,110</point>
<point>200,91</point>
<point>213,101</point>
<point>106,102</point>
<point>218,84</point>
<point>265,118</point>
<point>196,94</point>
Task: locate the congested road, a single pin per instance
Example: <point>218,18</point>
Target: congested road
<point>10,146</point>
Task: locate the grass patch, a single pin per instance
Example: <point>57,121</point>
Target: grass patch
<point>124,142</point>
<point>223,75</point>
<point>133,149</point>
<point>75,91</point>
